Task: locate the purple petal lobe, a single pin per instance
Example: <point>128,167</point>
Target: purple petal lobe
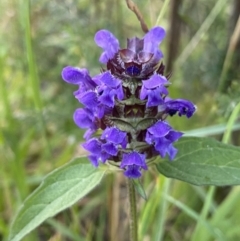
<point>174,135</point>
<point>89,133</point>
<point>74,75</point>
<point>93,145</point>
<point>110,148</point>
<point>104,156</point>
<point>89,99</point>
<point>83,118</point>
<point>172,152</point>
<point>154,98</point>
<point>94,160</point>
<point>114,135</point>
<point>107,98</point>
<point>153,38</point>
<point>108,42</point>
<point>133,162</point>
<point>155,81</point>
<point>120,93</point>
<point>109,80</point>
<point>133,158</point>
<point>161,145</point>
<point>160,129</point>
<point>133,172</point>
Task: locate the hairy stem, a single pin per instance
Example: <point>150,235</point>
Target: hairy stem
<point>132,211</point>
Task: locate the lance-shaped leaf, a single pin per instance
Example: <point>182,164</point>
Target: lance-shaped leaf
<point>59,190</point>
<point>139,188</point>
<point>203,161</point>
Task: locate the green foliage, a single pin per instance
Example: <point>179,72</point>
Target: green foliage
<point>59,190</point>
<point>139,188</point>
<point>204,161</point>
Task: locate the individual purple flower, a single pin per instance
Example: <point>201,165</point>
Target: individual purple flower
<point>180,106</point>
<point>154,89</point>
<point>128,101</point>
<point>143,50</point>
<point>109,89</point>
<point>161,135</point>
<point>114,135</point>
<point>133,163</point>
<point>107,146</point>
<point>98,154</point>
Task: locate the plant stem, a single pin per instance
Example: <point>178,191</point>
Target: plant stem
<point>132,211</point>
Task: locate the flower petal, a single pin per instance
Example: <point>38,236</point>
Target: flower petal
<point>160,129</point>
<point>73,75</point>
<point>107,97</point>
<point>94,146</point>
<point>89,99</point>
<point>154,98</point>
<point>174,135</point>
<point>109,80</point>
<point>155,81</point>
<point>152,39</point>
<point>133,158</point>
<point>83,118</point>
<point>172,152</point>
<point>133,172</point>
<point>183,107</point>
<point>110,148</point>
<point>108,42</point>
<point>94,160</point>
<point>114,135</point>
<point>89,133</point>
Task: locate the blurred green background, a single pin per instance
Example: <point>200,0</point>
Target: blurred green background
<point>37,133</point>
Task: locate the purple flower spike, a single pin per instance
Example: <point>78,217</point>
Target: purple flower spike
<point>128,103</point>
<point>108,42</point>
<point>133,162</point>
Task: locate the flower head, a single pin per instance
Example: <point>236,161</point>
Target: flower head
<point>129,102</point>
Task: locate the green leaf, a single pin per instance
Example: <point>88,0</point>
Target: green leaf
<point>203,161</point>
<point>122,124</point>
<point>145,123</point>
<point>60,189</point>
<point>139,188</point>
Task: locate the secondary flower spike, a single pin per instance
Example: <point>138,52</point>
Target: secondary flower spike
<point>129,102</point>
